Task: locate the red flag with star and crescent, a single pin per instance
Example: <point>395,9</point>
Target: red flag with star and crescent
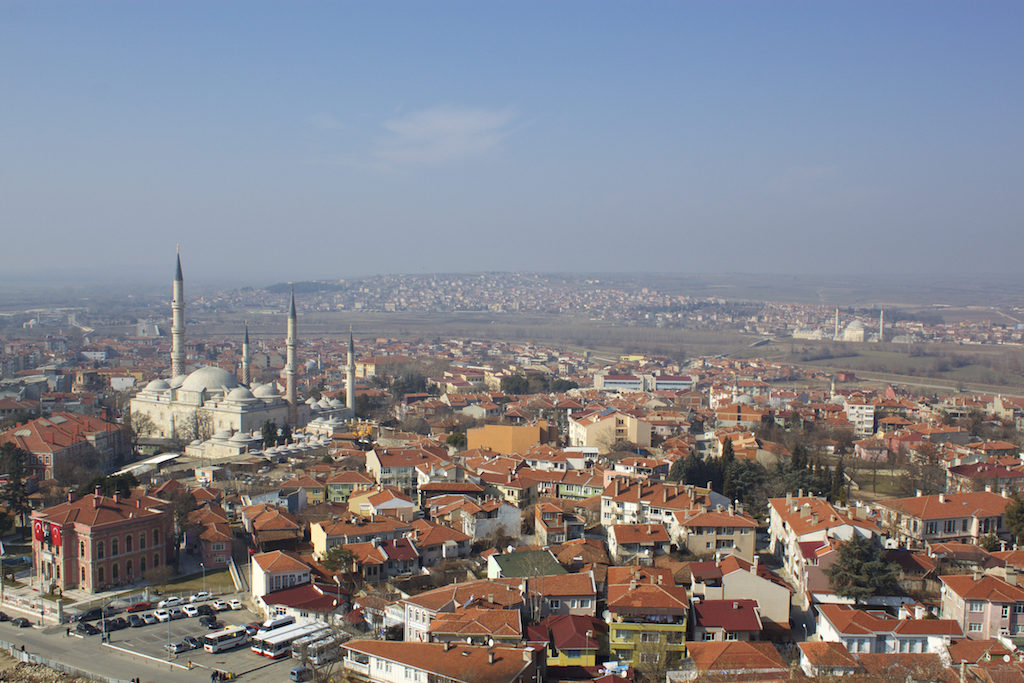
<point>37,529</point>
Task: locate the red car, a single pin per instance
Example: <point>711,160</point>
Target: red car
<point>140,606</point>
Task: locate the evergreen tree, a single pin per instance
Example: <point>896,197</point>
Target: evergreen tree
<point>286,435</point>
<point>799,459</point>
<point>678,470</point>
<point>861,570</point>
<point>1013,517</point>
<point>269,434</point>
<point>14,493</point>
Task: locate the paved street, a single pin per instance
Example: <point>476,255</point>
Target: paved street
<point>89,654</point>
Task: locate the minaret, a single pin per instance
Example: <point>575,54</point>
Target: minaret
<point>881,325</point>
<point>350,375</point>
<point>178,322</point>
<point>245,355</point>
<point>837,325</point>
<point>289,368</point>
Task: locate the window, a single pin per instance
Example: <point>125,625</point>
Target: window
<point>708,635</point>
<point>1005,612</point>
<point>964,525</point>
<point>973,628</point>
<point>650,657</point>
<point>975,606</point>
<point>156,537</point>
<point>156,560</point>
<point>555,604</point>
<point>115,572</point>
<point>128,569</point>
<point>99,550</point>
<point>585,603</point>
<point>1018,608</point>
<point>730,635</point>
<point>949,527</point>
<point>128,543</point>
<point>81,548</point>
<point>142,565</point>
<point>83,574</point>
<point>621,634</point>
<point>99,574</point>
<point>113,547</point>
<point>650,637</point>
<point>142,541</point>
<point>929,528</point>
<point>574,654</point>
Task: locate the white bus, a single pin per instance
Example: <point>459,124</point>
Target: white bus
<point>323,650</point>
<point>269,628</point>
<point>229,638</point>
<point>280,644</point>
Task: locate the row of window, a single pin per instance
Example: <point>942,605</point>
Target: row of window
<point>115,570</point>
<point>115,547</point>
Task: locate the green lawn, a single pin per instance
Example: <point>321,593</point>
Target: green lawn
<point>216,582</point>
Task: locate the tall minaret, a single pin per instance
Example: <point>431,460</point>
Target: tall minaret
<point>245,355</point>
<point>289,368</point>
<point>178,322</point>
<point>837,325</point>
<point>881,325</point>
<point>350,375</point>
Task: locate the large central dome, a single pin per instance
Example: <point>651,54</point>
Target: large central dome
<point>209,378</point>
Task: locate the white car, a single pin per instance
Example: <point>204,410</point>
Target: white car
<point>220,606</point>
<point>235,603</point>
<point>162,615</point>
<point>175,648</point>
<point>173,601</point>
<point>190,610</point>
<point>201,596</point>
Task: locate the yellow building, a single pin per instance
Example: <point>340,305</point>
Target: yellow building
<point>647,616</point>
<point>571,639</point>
<point>507,439</point>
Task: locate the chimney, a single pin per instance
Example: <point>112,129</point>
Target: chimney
<point>447,645</point>
<point>814,518</point>
<point>1011,575</point>
<point>117,497</point>
<point>920,493</point>
<point>789,499</point>
<point>800,494</point>
<point>988,488</point>
<point>805,510</point>
<point>527,655</point>
<point>490,656</point>
<point>1004,493</point>
<point>753,566</point>
<point>138,502</point>
<point>942,497</point>
<point>71,497</point>
<point>735,605</point>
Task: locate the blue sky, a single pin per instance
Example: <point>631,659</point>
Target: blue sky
<point>285,141</point>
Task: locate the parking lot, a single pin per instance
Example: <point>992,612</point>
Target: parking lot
<point>151,640</point>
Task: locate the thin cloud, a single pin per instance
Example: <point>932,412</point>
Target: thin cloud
<point>322,121</point>
<point>441,134</point>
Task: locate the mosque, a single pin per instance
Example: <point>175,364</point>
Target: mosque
<point>210,399</point>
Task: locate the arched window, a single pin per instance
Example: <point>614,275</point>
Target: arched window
<point>142,541</point>
<point>142,565</point>
<point>99,574</point>
<point>83,574</point>
<point>81,548</point>
<point>128,569</point>
<point>114,574</point>
<point>113,547</point>
<point>156,560</point>
<point>128,543</point>
<point>156,537</point>
<point>99,550</point>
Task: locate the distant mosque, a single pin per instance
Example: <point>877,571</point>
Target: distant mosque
<point>214,397</point>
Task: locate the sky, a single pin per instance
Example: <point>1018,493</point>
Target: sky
<point>279,141</point>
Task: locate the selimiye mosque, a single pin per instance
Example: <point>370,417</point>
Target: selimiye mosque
<point>234,409</point>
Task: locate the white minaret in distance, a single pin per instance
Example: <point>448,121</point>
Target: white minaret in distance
<point>350,375</point>
<point>289,368</point>
<point>881,325</point>
<point>178,323</point>
<point>837,325</point>
<point>245,355</point>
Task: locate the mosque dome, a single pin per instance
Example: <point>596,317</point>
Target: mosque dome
<point>239,394</point>
<point>209,378</point>
<point>335,403</point>
<point>241,437</point>
<point>156,386</point>
<point>311,402</point>
<point>222,435</point>
<point>176,381</point>
<point>265,391</point>
<point>855,326</point>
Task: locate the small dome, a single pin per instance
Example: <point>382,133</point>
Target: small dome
<point>240,394</point>
<point>209,378</point>
<point>222,435</point>
<point>335,403</point>
<point>310,401</point>
<point>240,437</point>
<point>176,381</point>
<point>156,386</point>
<point>265,391</point>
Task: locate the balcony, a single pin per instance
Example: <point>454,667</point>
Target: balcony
<point>357,666</point>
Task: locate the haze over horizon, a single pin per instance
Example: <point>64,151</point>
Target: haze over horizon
<point>328,140</point>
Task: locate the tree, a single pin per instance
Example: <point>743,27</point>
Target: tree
<point>861,570</point>
<point>338,558</point>
<point>990,542</point>
<point>562,385</point>
<point>1013,517</point>
<point>286,435</point>
<point>121,484</point>
<point>269,434</point>
<point>198,425</point>
<point>14,493</point>
<point>515,384</point>
<point>456,440</point>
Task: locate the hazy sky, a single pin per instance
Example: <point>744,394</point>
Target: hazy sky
<point>292,140</point>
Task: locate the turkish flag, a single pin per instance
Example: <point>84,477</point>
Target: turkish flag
<point>37,529</point>
<point>55,533</point>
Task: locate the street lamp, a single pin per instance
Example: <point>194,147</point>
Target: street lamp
<point>203,567</point>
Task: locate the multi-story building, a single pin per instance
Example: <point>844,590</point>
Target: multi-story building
<point>984,606</point>
<point>66,437</point>
<point>639,502</point>
<point>715,532</point>
<point>397,466</point>
<point>647,616</point>
<point>421,609</point>
<point>341,485</point>
<point>944,517</point>
<point>603,428</point>
<point>876,631</point>
<point>639,543</point>
<point>382,661</point>
<point>95,543</point>
<point>553,525</point>
<point>275,571</point>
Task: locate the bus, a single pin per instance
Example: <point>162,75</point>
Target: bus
<point>275,623</point>
<point>271,627</point>
<point>229,638</point>
<point>280,644</point>
<point>321,650</point>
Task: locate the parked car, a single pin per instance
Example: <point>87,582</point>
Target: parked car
<point>135,621</point>
<point>207,619</point>
<point>299,673</point>
<point>252,628</point>
<point>176,613</point>
<point>190,610</point>
<point>86,629</point>
<point>205,610</point>
<point>4,617</point>
<point>193,642</point>
<point>150,618</point>
<point>172,601</point>
<point>211,623</point>
<point>201,596</point>
<point>90,615</point>
<point>176,647</point>
<point>221,606</point>
<point>162,615</point>
<point>21,622</point>
<point>235,603</point>
<point>140,606</point>
<point>117,623</point>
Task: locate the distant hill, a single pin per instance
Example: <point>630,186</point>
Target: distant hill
<point>304,287</point>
